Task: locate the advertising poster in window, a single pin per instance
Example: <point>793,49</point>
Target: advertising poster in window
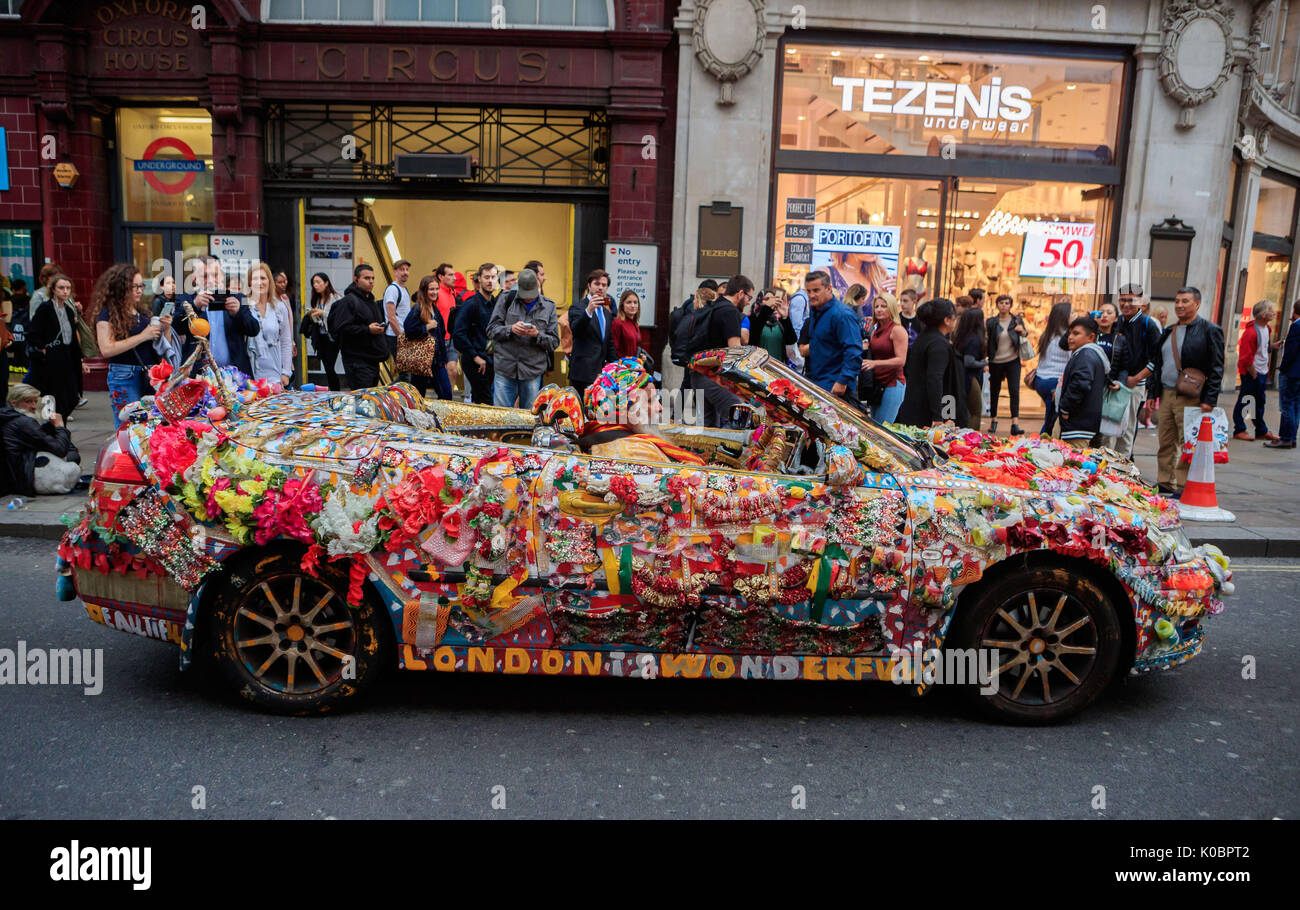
<point>1058,249</point>
<point>864,254</point>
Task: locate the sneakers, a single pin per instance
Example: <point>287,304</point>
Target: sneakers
<point>1166,490</point>
<point>83,402</point>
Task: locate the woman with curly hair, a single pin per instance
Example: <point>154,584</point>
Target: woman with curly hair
<point>125,334</point>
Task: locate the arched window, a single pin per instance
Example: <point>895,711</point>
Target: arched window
<point>582,14</point>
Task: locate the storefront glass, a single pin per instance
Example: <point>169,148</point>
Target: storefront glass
<point>1275,213</point>
<point>165,162</point>
<point>904,101</point>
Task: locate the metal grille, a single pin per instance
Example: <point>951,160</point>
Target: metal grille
<point>509,145</point>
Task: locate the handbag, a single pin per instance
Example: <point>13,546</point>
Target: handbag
<point>1191,380</point>
<point>1115,402</point>
<point>1027,351</point>
<point>86,338</point>
<point>1030,376</point>
<point>416,357</point>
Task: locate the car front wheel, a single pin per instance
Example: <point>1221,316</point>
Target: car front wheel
<point>289,642</point>
<point>1057,640</point>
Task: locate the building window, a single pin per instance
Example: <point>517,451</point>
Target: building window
<point>1275,212</point>
<point>11,7</point>
<point>165,162</point>
<point>967,104</point>
<point>506,145</point>
<point>586,14</point>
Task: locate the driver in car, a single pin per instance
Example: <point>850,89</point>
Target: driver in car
<point>623,407</point>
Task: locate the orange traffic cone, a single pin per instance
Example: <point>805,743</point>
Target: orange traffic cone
<point>1199,502</point>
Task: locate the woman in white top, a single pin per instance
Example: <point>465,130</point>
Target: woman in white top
<point>315,326</point>
<point>1052,357</point>
<point>271,349</point>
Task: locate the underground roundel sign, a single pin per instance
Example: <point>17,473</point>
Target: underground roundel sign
<point>188,166</point>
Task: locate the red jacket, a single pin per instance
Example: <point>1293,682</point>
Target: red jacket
<point>1247,348</point>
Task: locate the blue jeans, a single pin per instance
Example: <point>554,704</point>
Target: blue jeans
<point>890,402</point>
<point>505,390</point>
<point>1288,396</point>
<point>1250,389</point>
<point>1046,389</point>
<point>127,382</point>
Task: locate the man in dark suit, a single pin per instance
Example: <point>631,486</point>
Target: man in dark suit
<point>591,320</point>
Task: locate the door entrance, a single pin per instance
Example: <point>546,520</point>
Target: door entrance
<point>161,251</point>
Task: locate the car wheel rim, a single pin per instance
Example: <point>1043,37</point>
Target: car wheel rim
<point>1047,646</point>
<point>294,635</point>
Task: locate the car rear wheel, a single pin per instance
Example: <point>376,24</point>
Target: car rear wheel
<point>289,642</point>
<point>1057,639</point>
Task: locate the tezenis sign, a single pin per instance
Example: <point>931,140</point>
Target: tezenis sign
<point>945,105</point>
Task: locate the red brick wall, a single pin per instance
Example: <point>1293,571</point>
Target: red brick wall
<point>22,201</point>
<point>237,183</point>
<point>79,221</point>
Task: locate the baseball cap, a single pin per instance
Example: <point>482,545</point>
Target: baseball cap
<point>526,285</point>
<point>1134,290</point>
<point>401,262</point>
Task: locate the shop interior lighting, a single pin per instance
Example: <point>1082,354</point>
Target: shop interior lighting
<point>184,120</point>
<point>390,241</point>
<point>368,200</point>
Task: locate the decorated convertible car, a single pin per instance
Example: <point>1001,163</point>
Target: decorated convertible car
<point>305,541</point>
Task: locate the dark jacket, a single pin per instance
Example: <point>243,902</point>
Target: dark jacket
<point>515,356</point>
<point>591,349</point>
<point>1144,340</point>
<point>1290,364</point>
<point>834,346</point>
<point>350,320</point>
<point>415,329</point>
<point>1201,348</point>
<point>237,328</point>
<point>993,328</point>
<point>1082,388</point>
<point>470,329</point>
<point>1116,347</point>
<point>23,438</point>
<point>934,373</point>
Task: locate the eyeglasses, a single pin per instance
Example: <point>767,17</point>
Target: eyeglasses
<point>138,287</point>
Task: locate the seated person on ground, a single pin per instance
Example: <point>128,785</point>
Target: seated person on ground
<point>39,456</point>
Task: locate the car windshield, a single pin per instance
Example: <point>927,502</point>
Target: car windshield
<point>759,374</point>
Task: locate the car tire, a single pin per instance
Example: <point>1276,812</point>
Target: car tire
<point>283,639</point>
<point>1058,639</point>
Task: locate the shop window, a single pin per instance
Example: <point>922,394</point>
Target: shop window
<point>16,260</point>
<point>1039,241</point>
<point>511,13</point>
<point>165,162</point>
<point>964,104</point>
<point>1275,213</point>
<point>11,7</point>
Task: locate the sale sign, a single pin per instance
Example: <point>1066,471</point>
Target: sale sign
<point>1058,249</point>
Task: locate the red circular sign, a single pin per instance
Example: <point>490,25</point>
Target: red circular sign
<point>187,179</point>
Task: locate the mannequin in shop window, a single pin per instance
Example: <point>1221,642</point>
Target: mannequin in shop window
<point>915,268</point>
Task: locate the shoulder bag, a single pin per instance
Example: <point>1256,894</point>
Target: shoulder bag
<point>416,356</point>
<point>1191,380</point>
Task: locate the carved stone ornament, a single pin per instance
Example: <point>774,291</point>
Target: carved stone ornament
<point>1196,57</point>
<point>728,36</point>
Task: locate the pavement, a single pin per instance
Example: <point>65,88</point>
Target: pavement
<point>1258,485</point>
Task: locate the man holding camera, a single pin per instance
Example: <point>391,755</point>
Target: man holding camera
<point>230,323</point>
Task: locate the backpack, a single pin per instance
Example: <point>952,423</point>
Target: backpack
<point>690,333</point>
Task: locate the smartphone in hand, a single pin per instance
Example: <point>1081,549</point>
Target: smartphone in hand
<point>168,308</point>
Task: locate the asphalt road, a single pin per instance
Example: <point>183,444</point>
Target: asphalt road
<point>1195,742</point>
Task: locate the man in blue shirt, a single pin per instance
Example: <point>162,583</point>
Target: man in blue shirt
<point>834,348</point>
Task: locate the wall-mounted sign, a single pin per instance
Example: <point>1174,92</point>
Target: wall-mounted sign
<point>634,267</point>
<point>1058,249</point>
<point>865,254</point>
<point>66,174</point>
<point>4,160</point>
<point>800,208</point>
<point>991,108</point>
<point>235,247</point>
<point>166,164</point>
<point>1171,254</point>
<point>719,242</point>
<point>329,250</point>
